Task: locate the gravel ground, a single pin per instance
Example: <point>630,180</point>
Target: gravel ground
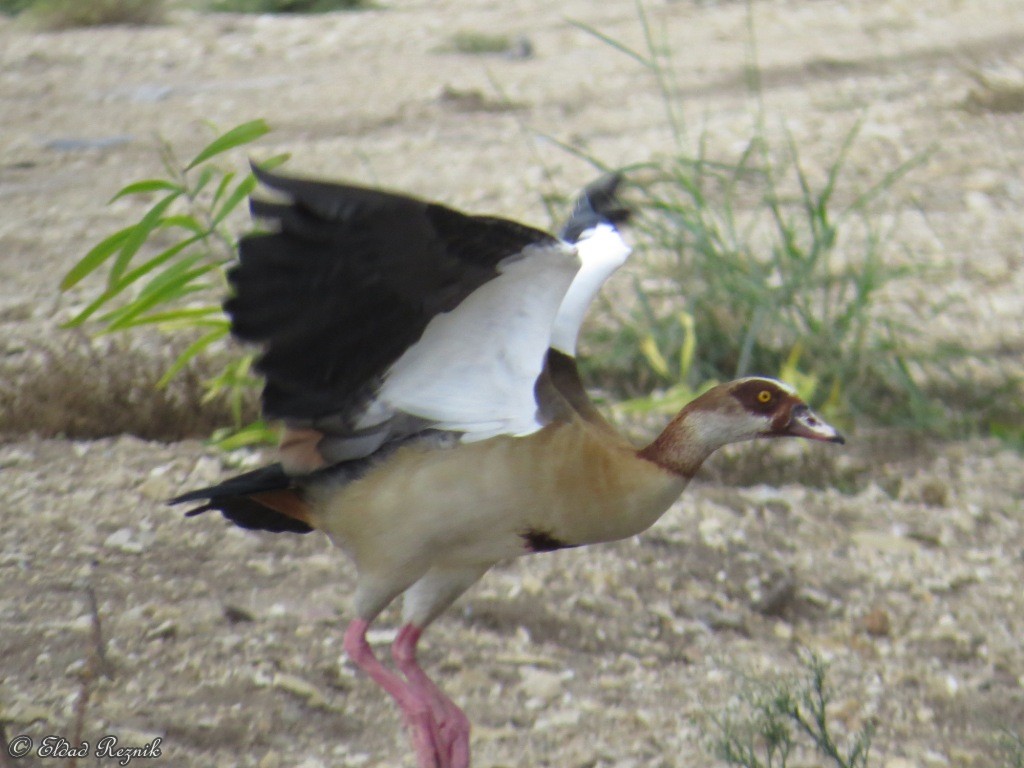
<point>227,645</point>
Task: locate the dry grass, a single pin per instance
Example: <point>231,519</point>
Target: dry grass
<point>73,386</point>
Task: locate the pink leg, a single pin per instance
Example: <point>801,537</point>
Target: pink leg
<point>416,707</point>
<point>452,722</point>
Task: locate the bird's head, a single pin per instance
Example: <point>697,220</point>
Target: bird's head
<point>745,409</point>
<point>761,407</point>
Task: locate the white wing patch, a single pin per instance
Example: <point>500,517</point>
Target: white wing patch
<point>474,368</point>
<point>602,251</point>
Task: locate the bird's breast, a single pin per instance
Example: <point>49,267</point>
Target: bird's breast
<point>565,485</point>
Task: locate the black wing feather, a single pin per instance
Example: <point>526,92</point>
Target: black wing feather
<point>347,282</point>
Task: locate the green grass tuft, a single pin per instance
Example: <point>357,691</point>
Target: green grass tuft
<point>478,43</point>
<point>1011,748</point>
<point>752,264</point>
<point>68,14</point>
<point>775,722</point>
<point>773,276</point>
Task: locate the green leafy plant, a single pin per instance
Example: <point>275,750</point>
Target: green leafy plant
<point>65,14</point>
<point>168,269</point>
<point>13,7</point>
<point>780,272</point>
<point>776,721</point>
<point>771,280</point>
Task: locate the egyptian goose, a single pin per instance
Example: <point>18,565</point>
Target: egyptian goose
<point>422,362</point>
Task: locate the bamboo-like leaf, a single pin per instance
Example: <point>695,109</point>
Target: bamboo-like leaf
<point>178,274</point>
<point>171,274</point>
<point>190,353</point>
<point>225,181</point>
<point>274,161</point>
<point>205,177</point>
<point>171,284</point>
<point>161,258</point>
<point>242,134</point>
<point>125,281</point>
<point>145,187</point>
<point>91,308</point>
<point>184,221</point>
<point>257,433</point>
<point>180,319</point>
<point>138,235</point>
<point>95,257</point>
<point>243,190</point>
<point>129,315</point>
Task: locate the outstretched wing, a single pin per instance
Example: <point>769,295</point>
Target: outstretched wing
<point>591,229</point>
<point>380,315</point>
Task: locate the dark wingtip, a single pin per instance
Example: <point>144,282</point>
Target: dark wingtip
<point>596,203</point>
<point>261,174</point>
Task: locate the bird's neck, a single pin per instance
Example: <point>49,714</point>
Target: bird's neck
<point>688,440</point>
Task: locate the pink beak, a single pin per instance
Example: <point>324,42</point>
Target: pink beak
<point>804,423</point>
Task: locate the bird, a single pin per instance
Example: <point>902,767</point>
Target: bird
<point>422,363</point>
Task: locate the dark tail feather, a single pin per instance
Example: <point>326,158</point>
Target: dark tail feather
<point>234,499</point>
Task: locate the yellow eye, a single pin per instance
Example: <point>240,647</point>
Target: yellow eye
<point>764,396</point>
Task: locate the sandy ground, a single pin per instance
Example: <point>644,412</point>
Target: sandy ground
<point>226,645</point>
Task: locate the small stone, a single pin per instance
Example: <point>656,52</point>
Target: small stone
<point>16,458</point>
<point>163,631</point>
<point>569,718</point>
<point>531,585</point>
<point>384,636</point>
<point>783,630</point>
<point>237,615</point>
<point>712,532</point>
<point>338,677</point>
<point>26,714</point>
<point>301,688</point>
<point>777,596</point>
<point>206,470</point>
<point>876,623</point>
<point>82,623</point>
<point>935,492</point>
<point>126,540</point>
<point>542,685</point>
<point>158,484</point>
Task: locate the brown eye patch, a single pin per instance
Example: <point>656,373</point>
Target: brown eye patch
<point>759,396</point>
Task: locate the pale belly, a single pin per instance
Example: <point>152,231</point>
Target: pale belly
<point>485,502</point>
